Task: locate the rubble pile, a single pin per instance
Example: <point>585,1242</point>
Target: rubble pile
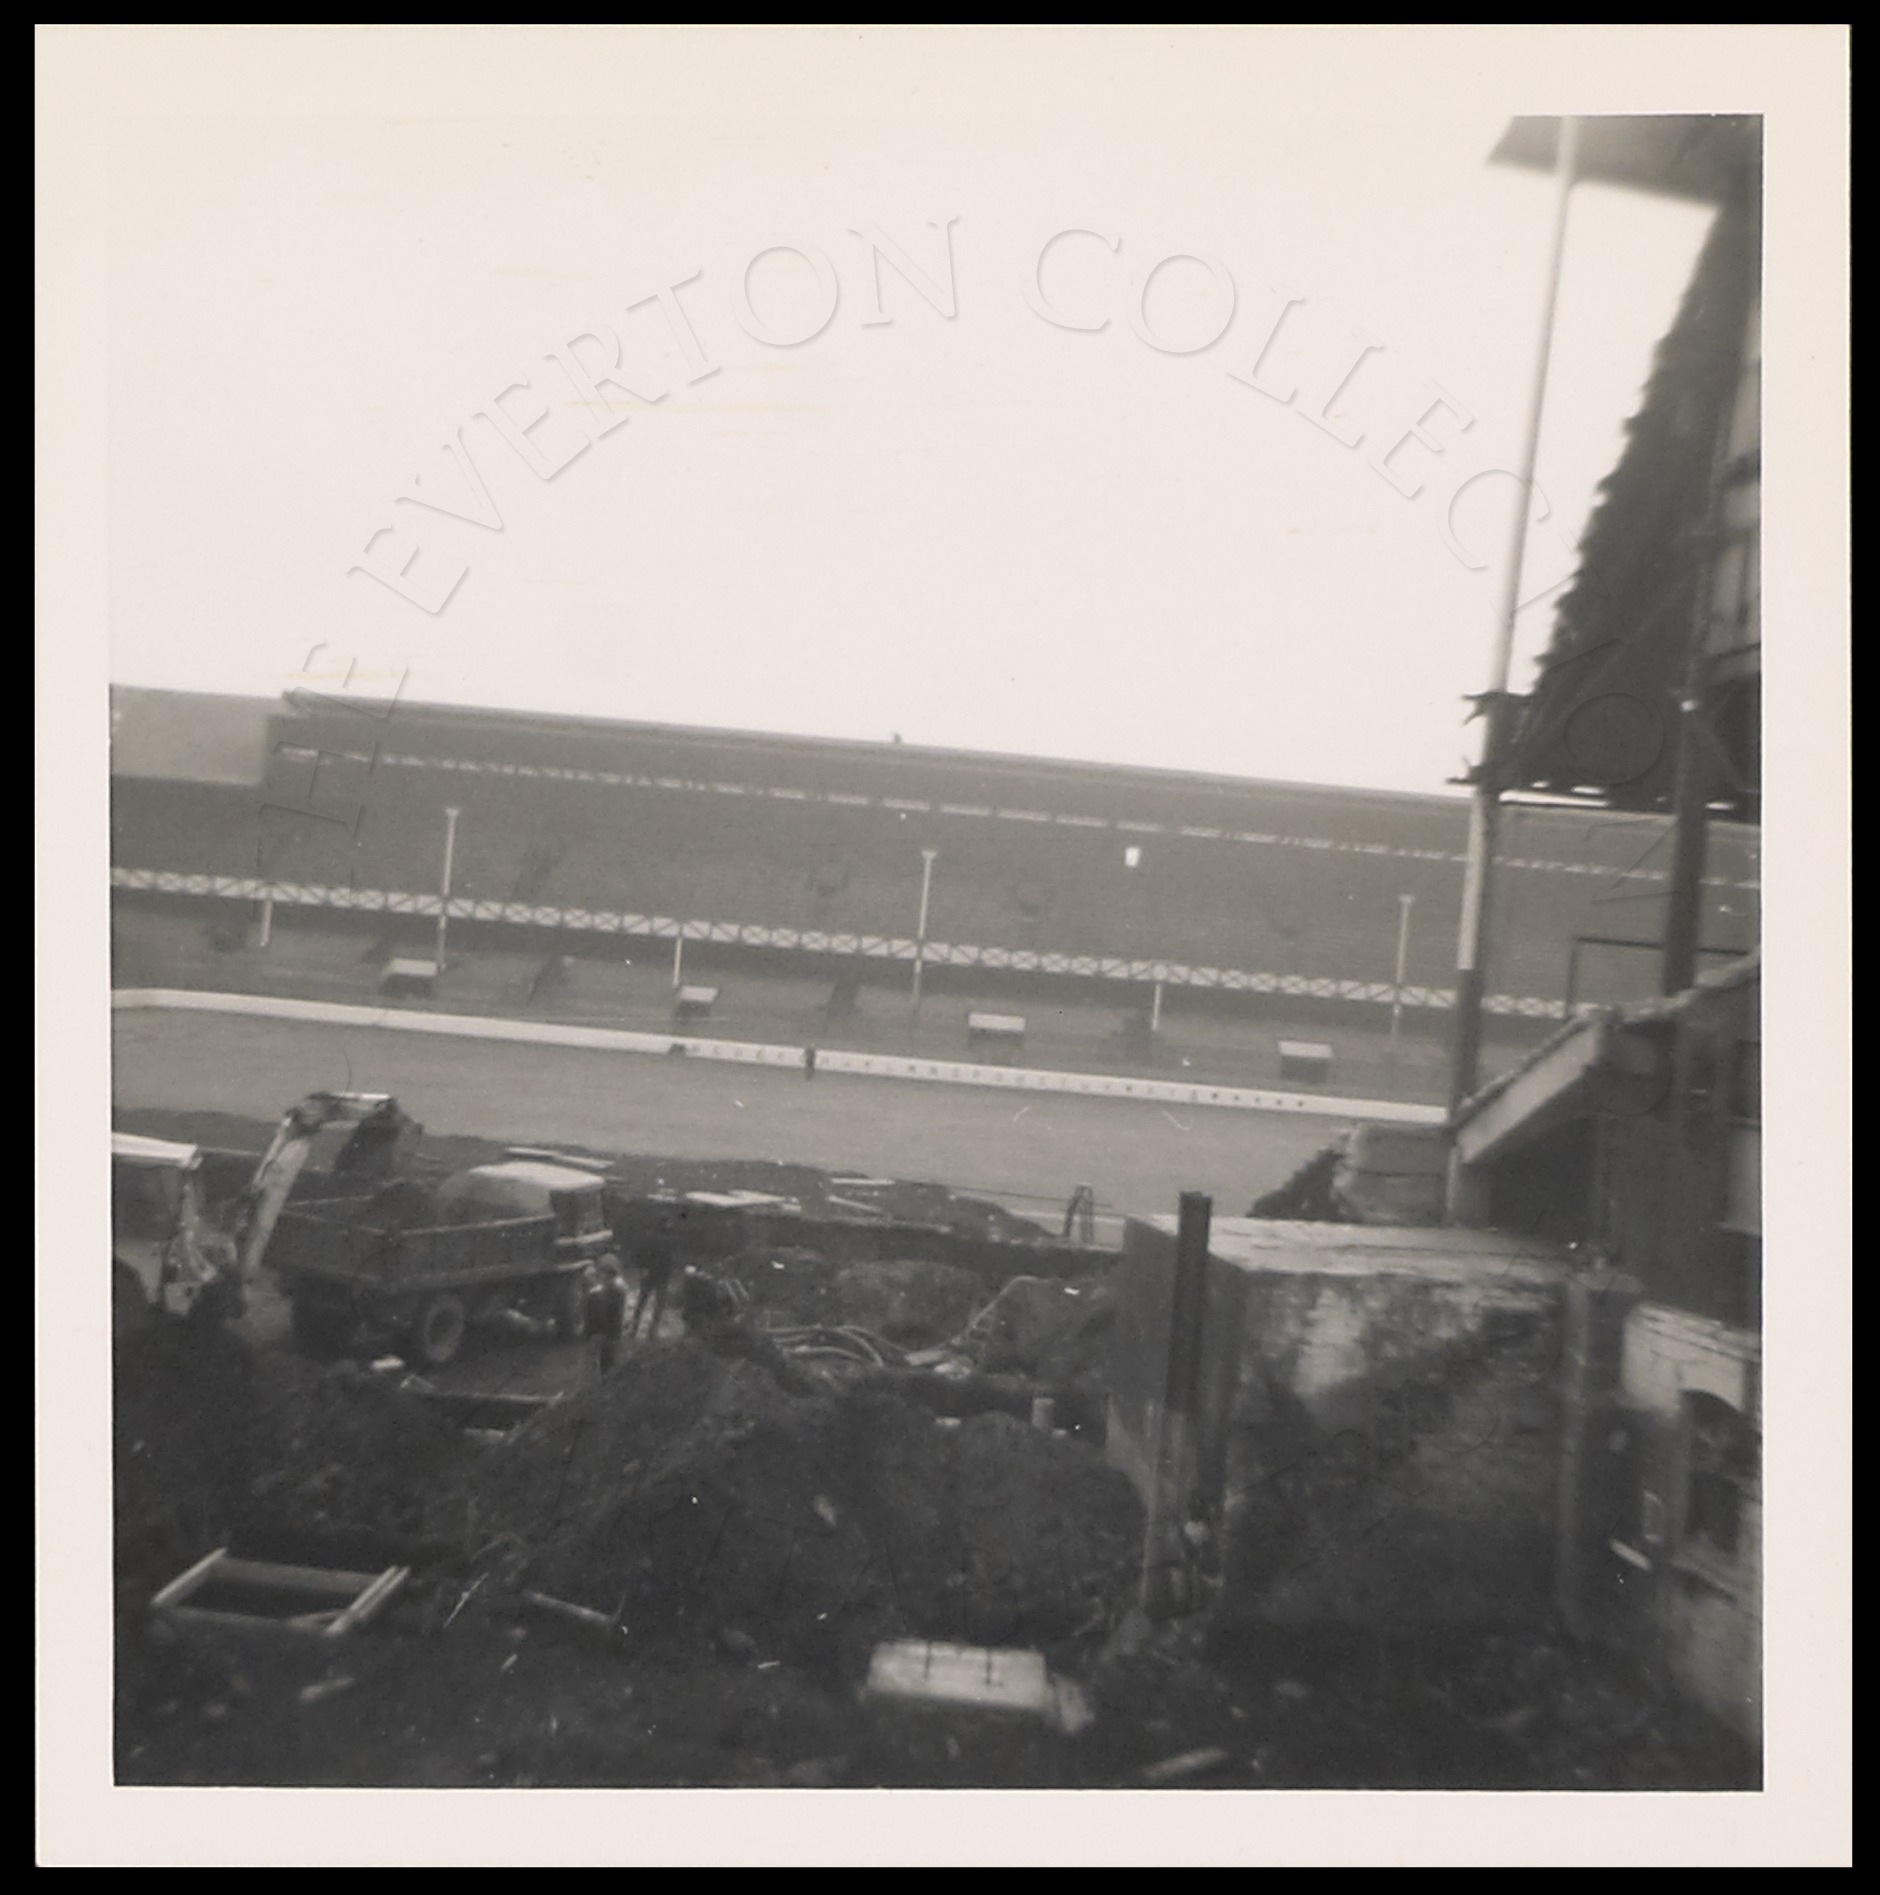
<point>909,1302</point>
<point>676,1560</point>
<point>1046,1327</point>
<point>1310,1195</point>
<point>1373,1174</point>
<point>357,1454</point>
<point>680,1572</point>
<point>690,1498</point>
<point>701,1492</point>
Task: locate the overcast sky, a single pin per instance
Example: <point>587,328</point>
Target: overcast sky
<point>973,524</point>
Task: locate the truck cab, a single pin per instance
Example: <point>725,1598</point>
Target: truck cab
<point>161,1234</point>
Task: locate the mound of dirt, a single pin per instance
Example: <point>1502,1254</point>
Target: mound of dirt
<point>693,1499</point>
<point>908,1301</point>
<point>703,1497</point>
<point>184,1447</point>
<point>1043,1327</point>
<point>355,1453</point>
<point>1055,1531</point>
<point>404,1204</point>
<point>1310,1195</point>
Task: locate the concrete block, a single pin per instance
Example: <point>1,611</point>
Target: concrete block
<point>974,1675</point>
<point>1400,1151</point>
<point>1380,1198</point>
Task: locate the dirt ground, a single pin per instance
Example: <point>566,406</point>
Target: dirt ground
<point>744,1549</point>
<point>637,1174</point>
<point>1137,1156</point>
<point>730,1531</point>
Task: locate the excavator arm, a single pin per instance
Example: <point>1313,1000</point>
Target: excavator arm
<point>378,1128</point>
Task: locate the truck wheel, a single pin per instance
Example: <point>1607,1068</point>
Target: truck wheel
<point>571,1308</point>
<point>321,1330</point>
<point>438,1333</point>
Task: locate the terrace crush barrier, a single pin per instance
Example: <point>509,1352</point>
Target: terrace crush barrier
<point>809,940</point>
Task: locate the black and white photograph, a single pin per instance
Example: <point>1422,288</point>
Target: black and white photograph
<point>918,875</point>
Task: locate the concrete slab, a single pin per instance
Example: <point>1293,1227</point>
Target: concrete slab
<point>975,1675</point>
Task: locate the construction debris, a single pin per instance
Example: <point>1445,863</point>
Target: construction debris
<point>324,1688</point>
<point>583,1616</point>
<point>1071,1709</point>
<point>695,1493</point>
<point>741,1200</point>
<point>1374,1174</point>
<point>1308,1196</point>
<point>244,1594</point>
<point>731,1559</point>
<point>1191,1763</point>
<point>857,1207</point>
<point>908,1302</point>
<point>977,1677</point>
<point>1055,1330</point>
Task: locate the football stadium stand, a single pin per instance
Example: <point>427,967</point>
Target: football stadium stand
<point>1113,874</point>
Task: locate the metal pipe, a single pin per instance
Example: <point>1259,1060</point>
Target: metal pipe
<point>1485,811</point>
<point>443,893</point>
<point>678,958</point>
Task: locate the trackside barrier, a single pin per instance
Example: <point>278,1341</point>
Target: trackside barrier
<point>745,1053</point>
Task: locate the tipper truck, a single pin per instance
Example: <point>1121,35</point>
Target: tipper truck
<point>422,1265</point>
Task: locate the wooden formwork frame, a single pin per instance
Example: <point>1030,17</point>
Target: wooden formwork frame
<point>357,1596</point>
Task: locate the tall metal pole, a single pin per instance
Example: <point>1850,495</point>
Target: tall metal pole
<point>1404,904</point>
<point>1485,809</point>
<point>927,857</point>
<point>443,893</point>
<point>1164,1591</point>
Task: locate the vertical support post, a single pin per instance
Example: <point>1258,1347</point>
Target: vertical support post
<point>1404,904</point>
<point>1485,809</point>
<point>443,891</point>
<point>1466,1049</point>
<point>1155,1010</point>
<point>264,925</point>
<point>1593,1316</point>
<point>1690,836</point>
<point>678,957</point>
<point>927,858</point>
<point>1164,1591</point>
<point>1467,1200</point>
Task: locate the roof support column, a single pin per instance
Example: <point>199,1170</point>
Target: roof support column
<point>1484,817</point>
